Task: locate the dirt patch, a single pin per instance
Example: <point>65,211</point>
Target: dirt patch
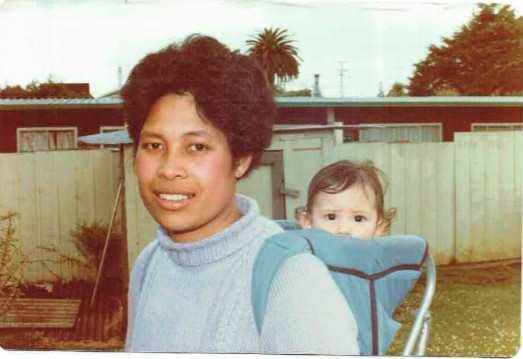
<point>476,311</point>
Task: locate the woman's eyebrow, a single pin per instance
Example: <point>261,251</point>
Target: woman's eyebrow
<point>146,133</point>
<point>198,133</point>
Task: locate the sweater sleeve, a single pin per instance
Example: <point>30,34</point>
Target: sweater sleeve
<point>306,312</point>
<point>135,284</point>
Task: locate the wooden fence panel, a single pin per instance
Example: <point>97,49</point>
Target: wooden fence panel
<point>488,196</point>
<point>53,192</point>
<point>443,205</point>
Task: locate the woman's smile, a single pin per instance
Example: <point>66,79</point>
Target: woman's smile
<point>173,201</point>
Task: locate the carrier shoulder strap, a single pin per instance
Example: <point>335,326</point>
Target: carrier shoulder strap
<point>271,256</point>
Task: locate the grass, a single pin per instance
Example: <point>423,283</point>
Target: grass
<point>476,311</point>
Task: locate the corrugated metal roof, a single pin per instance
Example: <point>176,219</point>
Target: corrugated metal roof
<point>115,102</point>
<point>451,101</point>
<point>10,104</point>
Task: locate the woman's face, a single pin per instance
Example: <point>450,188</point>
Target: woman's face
<point>185,170</point>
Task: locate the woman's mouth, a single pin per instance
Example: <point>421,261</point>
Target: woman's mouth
<point>173,201</point>
<point>175,197</point>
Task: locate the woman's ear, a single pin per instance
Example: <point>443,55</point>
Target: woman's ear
<point>242,165</point>
<point>305,220</point>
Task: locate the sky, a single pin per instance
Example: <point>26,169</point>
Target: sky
<point>353,46</point>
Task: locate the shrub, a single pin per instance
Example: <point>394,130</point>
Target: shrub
<point>89,239</point>
<point>12,260</point>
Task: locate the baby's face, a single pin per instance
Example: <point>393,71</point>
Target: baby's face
<point>351,212</point>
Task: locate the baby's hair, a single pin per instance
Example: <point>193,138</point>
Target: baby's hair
<point>339,176</point>
<point>230,90</point>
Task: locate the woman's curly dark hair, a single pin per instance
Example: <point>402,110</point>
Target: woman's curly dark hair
<point>230,90</point>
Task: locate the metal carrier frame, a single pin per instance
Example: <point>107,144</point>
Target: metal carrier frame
<point>420,331</point>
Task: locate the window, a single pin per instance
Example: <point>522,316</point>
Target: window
<point>33,139</point>
<point>500,126</point>
<point>412,132</point>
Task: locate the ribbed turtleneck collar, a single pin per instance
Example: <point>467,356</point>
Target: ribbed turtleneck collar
<point>219,245</point>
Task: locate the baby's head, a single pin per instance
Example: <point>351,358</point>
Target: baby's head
<point>347,198</point>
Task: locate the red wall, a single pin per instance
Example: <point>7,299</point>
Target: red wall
<point>88,121</point>
<point>453,119</point>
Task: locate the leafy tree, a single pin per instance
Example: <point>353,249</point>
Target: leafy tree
<point>275,52</point>
<point>484,58</point>
<point>398,90</point>
<point>49,89</point>
<point>292,93</point>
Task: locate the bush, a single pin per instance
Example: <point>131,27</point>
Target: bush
<point>12,260</point>
<point>89,239</point>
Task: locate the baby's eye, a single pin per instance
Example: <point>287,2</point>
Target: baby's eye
<point>331,216</point>
<point>359,218</point>
<point>197,147</point>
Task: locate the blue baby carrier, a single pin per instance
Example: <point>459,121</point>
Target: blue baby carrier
<point>373,275</point>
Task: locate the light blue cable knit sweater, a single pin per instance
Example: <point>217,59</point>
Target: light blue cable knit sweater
<point>196,297</point>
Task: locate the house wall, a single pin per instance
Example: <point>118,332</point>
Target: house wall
<point>87,120</point>
<point>453,119</point>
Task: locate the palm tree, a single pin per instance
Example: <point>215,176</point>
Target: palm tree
<point>273,49</point>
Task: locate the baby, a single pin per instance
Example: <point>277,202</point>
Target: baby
<point>347,198</point>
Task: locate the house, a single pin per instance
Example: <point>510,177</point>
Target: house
<point>406,119</point>
<point>52,124</point>
<point>49,124</point>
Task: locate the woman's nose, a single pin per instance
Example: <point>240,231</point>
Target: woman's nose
<point>172,166</point>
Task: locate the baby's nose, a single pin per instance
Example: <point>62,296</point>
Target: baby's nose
<point>344,228</point>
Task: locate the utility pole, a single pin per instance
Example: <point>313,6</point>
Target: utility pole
<point>120,77</point>
<point>342,72</point>
<point>381,93</point>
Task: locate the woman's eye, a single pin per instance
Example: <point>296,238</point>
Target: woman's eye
<point>331,217</point>
<point>151,146</point>
<point>197,147</point>
<point>359,218</point>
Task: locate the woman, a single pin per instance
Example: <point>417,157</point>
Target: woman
<point>200,116</point>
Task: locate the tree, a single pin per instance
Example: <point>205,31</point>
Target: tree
<point>292,93</point>
<point>484,58</point>
<point>49,89</point>
<point>397,90</point>
<point>275,52</point>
